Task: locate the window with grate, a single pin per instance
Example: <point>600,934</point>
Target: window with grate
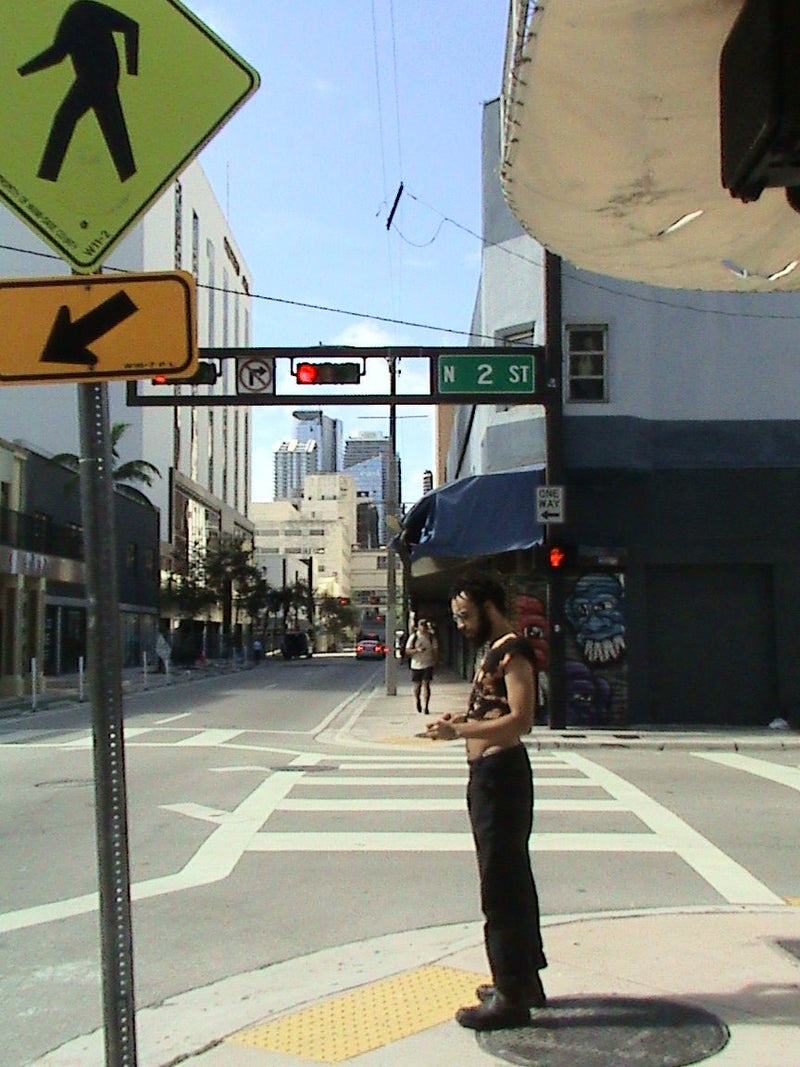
<point>587,363</point>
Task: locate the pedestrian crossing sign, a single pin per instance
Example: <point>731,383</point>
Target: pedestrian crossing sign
<point>104,104</point>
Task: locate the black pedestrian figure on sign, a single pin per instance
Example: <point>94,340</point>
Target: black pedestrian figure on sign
<point>86,36</point>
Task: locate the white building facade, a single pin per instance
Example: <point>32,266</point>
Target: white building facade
<point>320,526</point>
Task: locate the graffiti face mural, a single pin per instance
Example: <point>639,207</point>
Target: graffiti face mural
<point>588,697</point>
<point>596,613</point>
<point>532,623</point>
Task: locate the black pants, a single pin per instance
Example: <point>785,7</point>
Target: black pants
<point>500,805</point>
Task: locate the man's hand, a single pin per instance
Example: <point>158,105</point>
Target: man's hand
<point>444,729</point>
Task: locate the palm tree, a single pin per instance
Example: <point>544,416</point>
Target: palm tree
<point>135,470</point>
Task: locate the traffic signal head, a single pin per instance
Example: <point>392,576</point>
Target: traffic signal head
<point>328,373</point>
<point>556,556</point>
<point>759,102</point>
<point>206,374</point>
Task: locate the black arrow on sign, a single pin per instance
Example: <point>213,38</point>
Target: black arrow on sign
<point>68,341</point>
<point>550,515</point>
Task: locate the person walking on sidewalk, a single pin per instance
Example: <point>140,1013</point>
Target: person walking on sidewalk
<point>423,651</point>
<point>501,709</point>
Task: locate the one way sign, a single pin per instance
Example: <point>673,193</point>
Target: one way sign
<point>549,504</point>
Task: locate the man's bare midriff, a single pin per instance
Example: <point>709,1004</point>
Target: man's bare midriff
<point>477,747</point>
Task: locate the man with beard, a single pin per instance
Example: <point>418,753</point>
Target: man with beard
<point>500,803</point>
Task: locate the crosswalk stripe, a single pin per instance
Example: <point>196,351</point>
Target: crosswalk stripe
<point>208,739</point>
<point>773,772</point>
<point>432,804</point>
<point>729,879</point>
<point>324,781</point>
<point>353,841</point>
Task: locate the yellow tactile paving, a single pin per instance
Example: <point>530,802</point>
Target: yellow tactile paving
<point>794,901</point>
<point>376,1015</point>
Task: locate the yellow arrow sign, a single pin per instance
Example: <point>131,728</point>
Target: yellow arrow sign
<point>103,104</point>
<point>97,329</point>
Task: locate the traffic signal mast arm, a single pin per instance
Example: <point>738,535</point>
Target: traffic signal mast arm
<point>508,375</point>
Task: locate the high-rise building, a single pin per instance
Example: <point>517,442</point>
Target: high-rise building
<point>294,461</point>
<point>329,437</point>
<point>367,460</point>
<point>366,520</point>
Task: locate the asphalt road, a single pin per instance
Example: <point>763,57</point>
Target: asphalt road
<point>254,841</point>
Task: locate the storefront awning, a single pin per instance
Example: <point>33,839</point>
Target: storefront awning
<point>484,515</point>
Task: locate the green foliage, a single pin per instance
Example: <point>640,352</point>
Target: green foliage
<point>231,574</point>
<point>187,594</point>
<point>336,617</point>
<point>135,470</point>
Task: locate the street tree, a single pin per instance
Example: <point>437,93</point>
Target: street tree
<point>137,471</point>
<point>336,617</point>
<point>231,573</point>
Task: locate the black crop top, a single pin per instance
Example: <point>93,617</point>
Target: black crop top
<point>488,698</point>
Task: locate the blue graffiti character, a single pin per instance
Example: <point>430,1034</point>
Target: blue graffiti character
<point>596,612</point>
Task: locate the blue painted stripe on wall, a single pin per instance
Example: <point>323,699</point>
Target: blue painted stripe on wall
<point>643,444</point>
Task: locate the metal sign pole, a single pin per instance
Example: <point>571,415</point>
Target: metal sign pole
<point>105,686</point>
<point>391,556</point>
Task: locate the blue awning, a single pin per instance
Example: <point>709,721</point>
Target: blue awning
<point>484,515</point>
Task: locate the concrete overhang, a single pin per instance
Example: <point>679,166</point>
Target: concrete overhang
<point>611,146</point>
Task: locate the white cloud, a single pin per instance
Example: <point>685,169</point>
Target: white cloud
<point>366,334</point>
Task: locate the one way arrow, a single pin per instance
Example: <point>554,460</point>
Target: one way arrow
<point>68,341</point>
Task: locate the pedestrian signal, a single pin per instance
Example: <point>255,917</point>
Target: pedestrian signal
<point>328,373</point>
<point>556,556</point>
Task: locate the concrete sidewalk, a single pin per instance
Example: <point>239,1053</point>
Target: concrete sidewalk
<point>658,988</point>
<point>393,720</point>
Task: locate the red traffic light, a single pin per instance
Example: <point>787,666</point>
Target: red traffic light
<point>206,374</point>
<point>307,373</point>
<point>328,373</point>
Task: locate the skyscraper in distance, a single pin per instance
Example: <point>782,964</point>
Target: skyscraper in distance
<point>328,434</point>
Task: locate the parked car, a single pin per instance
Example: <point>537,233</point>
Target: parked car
<point>370,646</point>
<point>296,644</point>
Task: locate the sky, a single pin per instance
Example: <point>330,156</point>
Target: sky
<point>356,97</point>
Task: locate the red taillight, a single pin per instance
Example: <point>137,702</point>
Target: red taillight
<point>359,648</point>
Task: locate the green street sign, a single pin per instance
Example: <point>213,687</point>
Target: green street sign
<point>103,105</point>
<point>487,374</point>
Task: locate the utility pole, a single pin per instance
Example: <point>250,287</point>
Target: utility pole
<point>557,671</point>
<point>391,556</point>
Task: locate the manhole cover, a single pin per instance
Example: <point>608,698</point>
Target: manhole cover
<point>598,1031</point>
